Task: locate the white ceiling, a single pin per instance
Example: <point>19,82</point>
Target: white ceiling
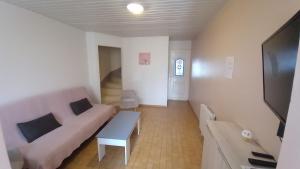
<point>180,19</point>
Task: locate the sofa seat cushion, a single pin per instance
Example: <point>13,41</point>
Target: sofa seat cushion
<point>48,151</point>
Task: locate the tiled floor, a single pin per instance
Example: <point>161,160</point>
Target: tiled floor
<point>170,139</point>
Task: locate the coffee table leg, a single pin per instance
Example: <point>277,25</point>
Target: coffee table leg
<point>139,126</point>
<point>127,151</point>
<point>101,150</point>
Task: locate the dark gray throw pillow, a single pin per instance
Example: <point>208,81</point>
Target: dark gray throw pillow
<point>80,106</point>
<point>36,128</point>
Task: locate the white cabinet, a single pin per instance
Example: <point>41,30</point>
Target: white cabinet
<point>212,157</point>
<point>224,148</point>
<point>220,161</point>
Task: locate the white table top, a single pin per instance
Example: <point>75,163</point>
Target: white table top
<point>121,126</point>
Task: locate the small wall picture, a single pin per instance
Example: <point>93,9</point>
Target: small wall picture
<point>144,58</point>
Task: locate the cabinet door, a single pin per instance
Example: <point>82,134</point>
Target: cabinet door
<point>209,152</point>
<point>205,155</point>
<point>219,160</point>
<point>212,157</point>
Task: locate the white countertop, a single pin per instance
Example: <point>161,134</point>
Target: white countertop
<point>234,149</point>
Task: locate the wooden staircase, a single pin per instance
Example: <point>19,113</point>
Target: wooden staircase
<point>111,89</point>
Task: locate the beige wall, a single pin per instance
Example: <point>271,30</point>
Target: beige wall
<point>238,30</point>
<point>110,60</point>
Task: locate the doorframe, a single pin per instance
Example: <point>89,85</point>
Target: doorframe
<point>183,46</point>
<point>99,67</point>
<point>93,40</point>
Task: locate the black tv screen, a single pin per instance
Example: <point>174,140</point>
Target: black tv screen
<point>279,61</point>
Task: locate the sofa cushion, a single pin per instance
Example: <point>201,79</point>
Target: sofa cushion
<point>80,106</point>
<point>36,128</point>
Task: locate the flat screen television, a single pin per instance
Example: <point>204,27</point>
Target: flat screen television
<point>279,54</point>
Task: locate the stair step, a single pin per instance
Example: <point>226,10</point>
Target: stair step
<point>113,85</point>
<point>110,99</point>
<point>111,91</point>
<point>116,80</point>
<point>115,104</point>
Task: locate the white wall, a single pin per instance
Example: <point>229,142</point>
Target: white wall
<point>110,60</point>
<point>149,81</point>
<point>38,54</point>
<point>115,58</point>
<point>104,61</point>
<point>290,153</point>
<point>4,162</point>
<point>180,45</point>
<point>93,40</point>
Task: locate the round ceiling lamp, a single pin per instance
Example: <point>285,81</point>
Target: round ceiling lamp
<point>135,8</point>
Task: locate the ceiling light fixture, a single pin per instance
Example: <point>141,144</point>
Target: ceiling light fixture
<point>135,8</point>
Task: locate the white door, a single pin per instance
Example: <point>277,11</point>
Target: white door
<point>179,74</point>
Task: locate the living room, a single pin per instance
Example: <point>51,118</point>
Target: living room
<point>50,58</point>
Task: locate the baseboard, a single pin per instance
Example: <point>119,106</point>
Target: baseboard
<point>196,114</point>
<point>181,100</point>
<point>155,106</point>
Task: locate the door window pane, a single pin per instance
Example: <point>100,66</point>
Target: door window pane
<point>179,67</point>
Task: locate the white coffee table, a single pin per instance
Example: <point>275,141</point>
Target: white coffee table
<point>117,132</point>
